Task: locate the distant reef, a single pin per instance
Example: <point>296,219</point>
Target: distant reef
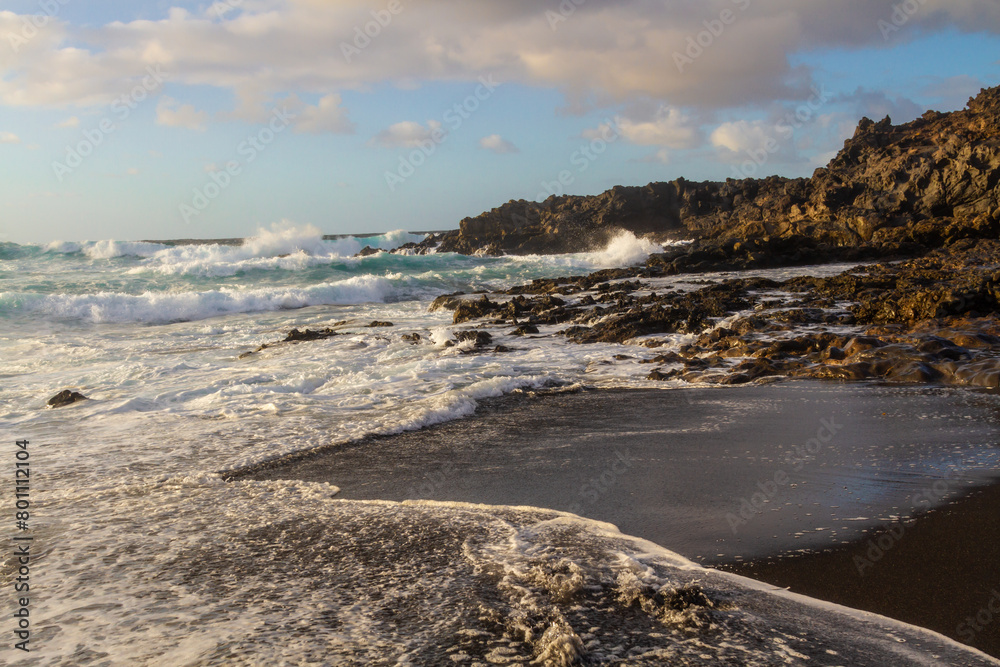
<point>892,190</point>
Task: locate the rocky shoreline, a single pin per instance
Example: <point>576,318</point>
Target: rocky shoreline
<point>919,203</point>
<point>931,319</point>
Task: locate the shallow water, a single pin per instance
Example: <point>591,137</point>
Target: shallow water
<point>690,468</point>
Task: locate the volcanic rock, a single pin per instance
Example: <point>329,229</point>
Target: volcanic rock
<point>892,191</point>
<point>66,397</point>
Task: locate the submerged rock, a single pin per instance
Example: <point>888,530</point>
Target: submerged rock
<point>295,336</point>
<point>66,397</point>
<point>478,338</point>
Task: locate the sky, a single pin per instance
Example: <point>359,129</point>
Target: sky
<point>154,119</point>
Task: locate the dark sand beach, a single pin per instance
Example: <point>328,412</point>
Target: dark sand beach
<point>733,478</point>
<point>939,571</point>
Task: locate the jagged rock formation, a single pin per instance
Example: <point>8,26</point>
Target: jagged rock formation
<point>66,397</point>
<point>569,223</point>
<point>928,182</point>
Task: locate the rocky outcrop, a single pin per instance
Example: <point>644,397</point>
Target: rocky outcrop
<point>932,319</point>
<point>301,336</point>
<point>890,190</point>
<point>568,224</point>
<point>66,397</point>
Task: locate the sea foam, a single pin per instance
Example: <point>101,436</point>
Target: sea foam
<point>163,307</point>
<point>285,245</point>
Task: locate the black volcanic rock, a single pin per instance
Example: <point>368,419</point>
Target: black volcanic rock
<point>568,223</point>
<point>891,191</point>
<point>66,397</point>
<point>478,338</point>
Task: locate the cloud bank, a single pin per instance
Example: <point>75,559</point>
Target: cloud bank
<point>610,52</point>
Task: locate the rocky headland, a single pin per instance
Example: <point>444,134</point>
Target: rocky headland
<point>919,203</point>
<point>891,191</point>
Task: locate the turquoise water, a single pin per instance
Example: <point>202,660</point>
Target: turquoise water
<point>280,269</point>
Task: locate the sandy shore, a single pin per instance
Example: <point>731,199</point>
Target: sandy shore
<point>732,477</point>
<point>940,571</point>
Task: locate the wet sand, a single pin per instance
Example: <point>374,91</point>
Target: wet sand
<point>942,571</point>
<point>728,475</point>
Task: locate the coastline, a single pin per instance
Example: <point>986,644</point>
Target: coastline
<point>594,453</point>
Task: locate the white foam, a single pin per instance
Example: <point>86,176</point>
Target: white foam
<point>256,572</point>
<point>112,249</point>
<point>64,247</point>
<point>163,307</point>
<point>624,250</point>
<point>285,245</point>
<point>398,237</point>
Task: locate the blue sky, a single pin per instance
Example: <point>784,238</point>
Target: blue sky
<point>172,120</point>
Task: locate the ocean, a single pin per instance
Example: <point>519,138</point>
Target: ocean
<point>140,552</point>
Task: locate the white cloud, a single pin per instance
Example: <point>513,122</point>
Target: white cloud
<point>326,116</point>
<point>497,144</point>
<point>9,138</point>
<point>72,121</point>
<point>603,131</point>
<point>743,135</point>
<point>408,134</point>
<point>669,129</point>
<point>605,51</point>
<point>172,114</point>
<point>662,156</point>
<point>782,140</point>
